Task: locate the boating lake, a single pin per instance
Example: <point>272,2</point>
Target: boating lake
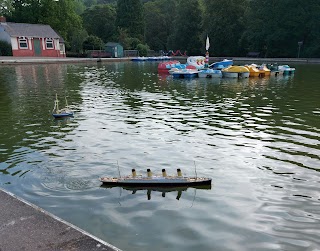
<point>258,139</point>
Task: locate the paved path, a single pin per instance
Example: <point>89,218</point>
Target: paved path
<point>24,226</point>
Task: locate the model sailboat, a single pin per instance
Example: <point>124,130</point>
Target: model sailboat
<point>61,113</point>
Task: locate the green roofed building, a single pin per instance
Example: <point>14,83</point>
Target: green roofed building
<point>115,49</point>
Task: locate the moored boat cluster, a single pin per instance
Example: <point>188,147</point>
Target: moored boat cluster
<point>196,67</point>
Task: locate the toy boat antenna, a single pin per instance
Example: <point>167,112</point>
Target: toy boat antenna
<point>195,169</point>
<point>56,104</point>
<point>119,169</point>
<point>66,101</point>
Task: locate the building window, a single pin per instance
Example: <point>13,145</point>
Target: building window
<point>49,43</point>
<point>23,43</point>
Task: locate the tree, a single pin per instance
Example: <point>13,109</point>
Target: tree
<point>158,19</point>
<point>60,15</point>
<point>224,23</point>
<point>5,8</point>
<point>77,39</point>
<point>187,28</point>
<point>143,49</point>
<point>26,11</point>
<point>130,17</point>
<point>79,7</point>
<point>99,20</point>
<point>93,43</point>
<point>280,25</point>
<point>5,49</point>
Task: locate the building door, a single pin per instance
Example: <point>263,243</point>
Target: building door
<point>37,47</point>
<point>116,52</point>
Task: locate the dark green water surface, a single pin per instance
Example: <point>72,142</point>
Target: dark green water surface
<point>258,139</point>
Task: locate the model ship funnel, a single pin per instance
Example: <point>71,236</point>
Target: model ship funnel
<point>134,174</point>
<point>179,172</point>
<point>164,173</point>
<point>149,172</point>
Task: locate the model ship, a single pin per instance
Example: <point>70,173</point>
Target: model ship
<point>61,113</point>
<point>150,180</point>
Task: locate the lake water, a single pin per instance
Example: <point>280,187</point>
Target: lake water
<point>258,139</point>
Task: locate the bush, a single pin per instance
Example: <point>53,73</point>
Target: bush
<point>5,49</point>
<point>143,49</point>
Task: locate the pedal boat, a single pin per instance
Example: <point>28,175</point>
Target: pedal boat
<point>235,72</point>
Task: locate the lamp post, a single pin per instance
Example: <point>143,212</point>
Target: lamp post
<point>300,43</point>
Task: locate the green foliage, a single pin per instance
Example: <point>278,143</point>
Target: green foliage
<point>123,38</point>
<point>280,25</point>
<point>79,7</point>
<point>99,20</point>
<point>93,43</point>
<point>235,27</point>
<point>60,15</point>
<point>159,17</point>
<point>128,43</point>
<point>224,23</point>
<point>26,11</point>
<point>5,8</point>
<point>5,49</point>
<point>77,39</point>
<point>89,3</point>
<point>143,49</point>
<point>130,17</point>
<point>187,28</point>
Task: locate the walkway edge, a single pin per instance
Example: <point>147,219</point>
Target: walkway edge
<point>46,213</point>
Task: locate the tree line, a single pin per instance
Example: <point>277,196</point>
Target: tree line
<point>274,28</point>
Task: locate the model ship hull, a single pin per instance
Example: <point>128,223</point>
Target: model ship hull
<point>62,115</point>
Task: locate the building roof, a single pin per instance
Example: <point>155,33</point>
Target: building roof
<point>112,44</point>
<point>29,30</point>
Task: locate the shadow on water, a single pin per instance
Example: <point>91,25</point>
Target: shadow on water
<point>162,190</point>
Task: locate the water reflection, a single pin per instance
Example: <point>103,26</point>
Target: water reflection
<point>162,190</point>
<point>35,75</point>
<point>258,139</point>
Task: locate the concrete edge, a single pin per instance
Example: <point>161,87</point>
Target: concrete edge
<point>60,220</point>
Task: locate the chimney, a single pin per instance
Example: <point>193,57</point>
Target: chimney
<point>2,19</point>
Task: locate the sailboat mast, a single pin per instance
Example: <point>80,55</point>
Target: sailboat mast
<point>56,103</point>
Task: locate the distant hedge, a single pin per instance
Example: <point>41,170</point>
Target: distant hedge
<point>5,49</point>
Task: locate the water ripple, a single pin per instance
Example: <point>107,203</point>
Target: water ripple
<point>257,138</point>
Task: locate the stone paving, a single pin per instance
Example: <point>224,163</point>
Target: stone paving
<point>24,226</point>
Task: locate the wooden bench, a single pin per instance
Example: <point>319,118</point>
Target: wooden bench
<point>253,54</point>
